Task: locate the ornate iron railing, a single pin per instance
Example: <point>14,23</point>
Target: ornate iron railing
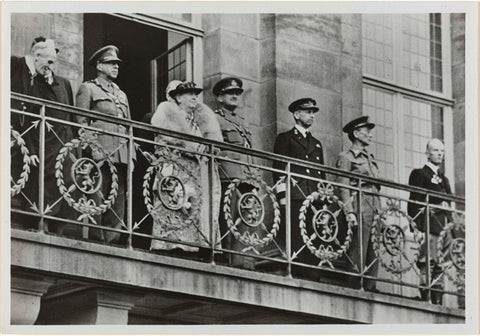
<point>172,202</point>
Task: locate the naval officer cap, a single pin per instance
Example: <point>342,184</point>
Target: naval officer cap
<point>228,84</point>
<point>303,104</point>
<point>357,123</point>
<point>105,54</point>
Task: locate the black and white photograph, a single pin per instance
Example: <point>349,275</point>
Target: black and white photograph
<point>227,167</point>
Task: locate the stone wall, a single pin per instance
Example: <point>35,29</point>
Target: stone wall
<point>458,92</point>
<point>283,57</point>
<point>65,29</point>
<point>240,45</point>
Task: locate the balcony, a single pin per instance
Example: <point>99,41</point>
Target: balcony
<point>249,269</point>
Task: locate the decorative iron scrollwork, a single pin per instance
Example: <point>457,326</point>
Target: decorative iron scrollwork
<point>391,238</point>
<point>451,244</point>
<point>251,211</point>
<point>28,161</point>
<point>171,179</point>
<point>87,177</point>
<point>325,225</point>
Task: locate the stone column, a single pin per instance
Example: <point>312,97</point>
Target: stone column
<point>458,93</point>
<point>26,294</point>
<point>89,306</point>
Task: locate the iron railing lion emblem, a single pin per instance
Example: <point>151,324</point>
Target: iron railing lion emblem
<point>323,233</point>
<point>389,239</point>
<point>451,247</point>
<point>251,212</point>
<point>86,176</point>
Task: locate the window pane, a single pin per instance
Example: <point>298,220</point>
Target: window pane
<point>377,41</point>
<point>427,122</point>
<point>378,106</point>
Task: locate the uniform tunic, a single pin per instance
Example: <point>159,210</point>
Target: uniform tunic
<point>234,132</point>
<point>361,162</point>
<point>102,96</point>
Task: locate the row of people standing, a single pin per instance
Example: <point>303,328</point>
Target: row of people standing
<point>182,112</point>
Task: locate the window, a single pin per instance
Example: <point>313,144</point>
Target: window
<point>406,89</point>
<point>175,63</point>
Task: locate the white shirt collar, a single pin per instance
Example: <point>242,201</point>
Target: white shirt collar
<point>432,167</point>
<point>30,65</point>
<point>302,130</point>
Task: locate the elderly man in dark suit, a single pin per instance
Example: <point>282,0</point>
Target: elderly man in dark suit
<point>300,144</point>
<point>103,95</point>
<point>33,75</point>
<point>430,177</point>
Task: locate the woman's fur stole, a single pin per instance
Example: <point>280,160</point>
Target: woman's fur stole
<point>169,116</point>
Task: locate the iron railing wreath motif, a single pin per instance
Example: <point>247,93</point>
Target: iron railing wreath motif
<point>86,176</point>
<point>392,238</point>
<point>28,160</point>
<point>325,225</point>
<point>456,248</point>
<point>251,211</point>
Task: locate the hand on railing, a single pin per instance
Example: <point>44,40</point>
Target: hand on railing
<point>352,219</point>
<point>97,155</point>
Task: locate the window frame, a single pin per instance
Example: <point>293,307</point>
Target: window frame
<point>402,91</point>
<point>192,30</point>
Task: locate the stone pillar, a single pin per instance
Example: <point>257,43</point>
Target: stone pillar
<point>26,294</point>
<point>237,45</point>
<point>351,73</point>
<point>89,306</point>
<point>458,92</point>
<point>308,64</point>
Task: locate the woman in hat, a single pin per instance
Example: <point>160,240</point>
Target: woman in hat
<point>183,185</point>
<point>358,160</point>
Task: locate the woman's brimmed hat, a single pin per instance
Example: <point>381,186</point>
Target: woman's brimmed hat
<point>185,87</point>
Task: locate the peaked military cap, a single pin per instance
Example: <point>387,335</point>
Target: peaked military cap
<point>357,123</point>
<point>108,53</point>
<point>303,104</point>
<point>228,84</point>
<point>185,87</point>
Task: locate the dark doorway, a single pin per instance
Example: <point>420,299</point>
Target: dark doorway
<point>138,45</point>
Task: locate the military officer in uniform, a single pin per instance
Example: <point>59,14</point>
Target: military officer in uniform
<point>228,92</point>
<point>300,144</point>
<point>103,95</point>
<point>358,160</point>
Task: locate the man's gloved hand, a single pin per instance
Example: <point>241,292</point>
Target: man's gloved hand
<point>352,219</point>
<point>97,155</point>
<point>280,189</point>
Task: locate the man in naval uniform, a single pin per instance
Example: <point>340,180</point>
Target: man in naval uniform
<point>299,143</point>
<point>103,95</point>
<point>228,92</point>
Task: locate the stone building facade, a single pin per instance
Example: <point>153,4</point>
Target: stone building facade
<point>352,64</point>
